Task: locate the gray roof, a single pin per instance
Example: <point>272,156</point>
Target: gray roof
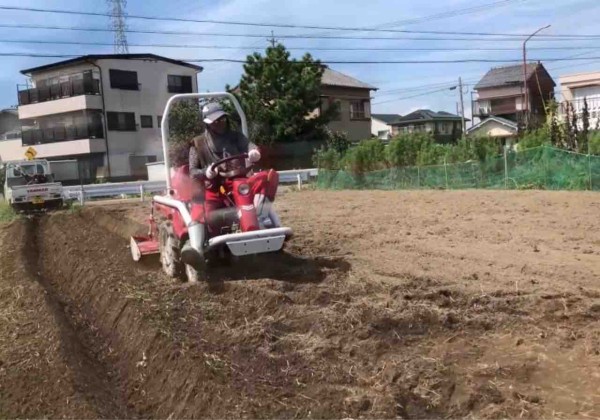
<point>94,57</point>
<point>421,115</point>
<point>335,78</point>
<point>386,118</point>
<point>504,76</point>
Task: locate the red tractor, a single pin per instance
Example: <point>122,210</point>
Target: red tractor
<point>178,229</point>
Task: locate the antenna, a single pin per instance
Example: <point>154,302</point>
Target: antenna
<point>116,8</point>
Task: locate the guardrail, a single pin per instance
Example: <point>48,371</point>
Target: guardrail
<point>82,193</point>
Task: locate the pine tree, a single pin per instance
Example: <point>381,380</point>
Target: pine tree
<point>585,132</point>
<point>280,96</point>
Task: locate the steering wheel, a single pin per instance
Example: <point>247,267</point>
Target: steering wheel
<point>241,171</point>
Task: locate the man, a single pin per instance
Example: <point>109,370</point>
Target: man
<point>217,142</point>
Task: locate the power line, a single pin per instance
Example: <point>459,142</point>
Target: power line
<point>413,96</point>
<point>324,62</point>
<point>305,48</point>
<point>279,36</point>
<point>283,25</point>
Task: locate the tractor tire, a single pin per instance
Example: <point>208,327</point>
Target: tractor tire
<point>169,251</point>
<point>193,275</point>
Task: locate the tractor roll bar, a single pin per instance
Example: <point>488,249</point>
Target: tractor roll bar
<point>164,131</point>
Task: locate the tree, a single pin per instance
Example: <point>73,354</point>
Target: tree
<point>184,125</point>
<point>280,96</point>
<point>585,132</point>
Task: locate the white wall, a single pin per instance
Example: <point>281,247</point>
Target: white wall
<point>377,126</point>
<point>149,100</point>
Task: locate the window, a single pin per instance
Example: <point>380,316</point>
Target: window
<point>146,121</point>
<point>159,121</point>
<point>360,109</point>
<point>121,121</point>
<point>179,84</point>
<point>126,80</point>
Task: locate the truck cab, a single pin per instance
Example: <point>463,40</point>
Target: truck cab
<point>30,186</point>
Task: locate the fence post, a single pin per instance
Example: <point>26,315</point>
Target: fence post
<point>446,171</point>
<point>590,170</point>
<point>81,196</point>
<point>299,181</point>
<point>142,192</point>
<point>505,169</point>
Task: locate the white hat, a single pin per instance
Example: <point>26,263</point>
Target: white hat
<point>212,112</point>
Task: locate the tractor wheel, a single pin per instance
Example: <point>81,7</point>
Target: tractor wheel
<point>169,251</point>
<point>193,275</point>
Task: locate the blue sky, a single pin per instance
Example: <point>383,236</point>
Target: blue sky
<point>395,82</point>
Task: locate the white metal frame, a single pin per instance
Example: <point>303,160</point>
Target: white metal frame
<point>164,131</point>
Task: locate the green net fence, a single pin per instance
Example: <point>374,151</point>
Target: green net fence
<point>542,167</point>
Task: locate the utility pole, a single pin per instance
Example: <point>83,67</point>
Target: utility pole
<point>526,92</point>
<point>462,106</point>
<point>116,9</point>
<point>272,40</point>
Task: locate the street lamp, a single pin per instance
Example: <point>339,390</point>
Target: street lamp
<point>526,99</point>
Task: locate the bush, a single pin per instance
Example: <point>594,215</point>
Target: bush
<point>368,155</point>
<point>594,143</point>
<point>404,150</point>
<point>330,156</point>
<point>533,139</point>
<point>6,212</point>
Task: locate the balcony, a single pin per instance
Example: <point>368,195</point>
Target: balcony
<point>59,98</point>
<point>67,89</point>
<point>485,108</point>
<point>38,136</point>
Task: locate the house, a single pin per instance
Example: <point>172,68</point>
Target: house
<point>353,99</point>
<point>445,127</point>
<point>502,93</point>
<point>577,87</point>
<point>501,129</point>
<point>381,125</point>
<point>104,111</point>
<point>10,126</point>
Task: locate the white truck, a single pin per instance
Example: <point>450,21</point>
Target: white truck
<point>30,186</point>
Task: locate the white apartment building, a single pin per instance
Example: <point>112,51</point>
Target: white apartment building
<point>575,88</point>
<point>104,111</point>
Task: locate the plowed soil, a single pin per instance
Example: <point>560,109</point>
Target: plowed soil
<point>385,304</point>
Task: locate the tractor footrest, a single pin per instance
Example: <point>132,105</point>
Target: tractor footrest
<point>256,246</point>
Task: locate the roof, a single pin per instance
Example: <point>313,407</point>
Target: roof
<point>509,75</point>
<point>422,115</point>
<point>94,57</point>
<point>335,78</point>
<point>508,123</point>
<point>12,111</point>
<point>386,118</point>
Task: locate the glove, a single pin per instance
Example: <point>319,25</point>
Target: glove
<point>210,172</point>
<point>253,156</point>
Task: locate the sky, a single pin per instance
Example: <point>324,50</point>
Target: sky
<point>402,88</point>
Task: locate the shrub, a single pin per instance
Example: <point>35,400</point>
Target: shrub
<point>594,143</point>
<point>368,155</point>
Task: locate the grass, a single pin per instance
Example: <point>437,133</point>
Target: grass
<point>7,214</point>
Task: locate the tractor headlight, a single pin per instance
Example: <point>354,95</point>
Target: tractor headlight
<point>244,189</point>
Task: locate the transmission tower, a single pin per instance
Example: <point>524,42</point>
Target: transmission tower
<point>116,9</point>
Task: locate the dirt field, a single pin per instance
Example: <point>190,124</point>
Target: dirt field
<point>385,304</point>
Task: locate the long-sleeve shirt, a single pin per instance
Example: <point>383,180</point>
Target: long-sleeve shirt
<point>209,148</point>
